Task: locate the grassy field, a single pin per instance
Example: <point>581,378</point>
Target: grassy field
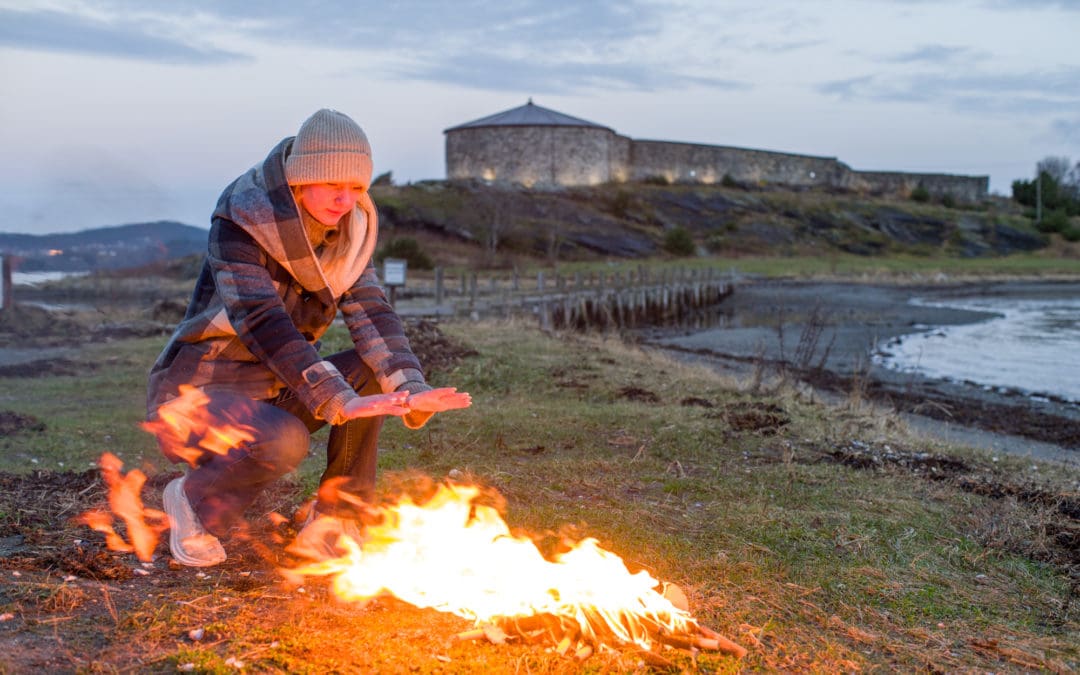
<point>749,500</point>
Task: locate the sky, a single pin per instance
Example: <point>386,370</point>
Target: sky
<point>120,111</point>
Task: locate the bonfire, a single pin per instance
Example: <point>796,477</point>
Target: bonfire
<point>449,550</point>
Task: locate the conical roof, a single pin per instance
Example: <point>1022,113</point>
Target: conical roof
<point>528,115</point>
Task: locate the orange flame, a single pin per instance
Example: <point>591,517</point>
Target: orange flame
<point>455,555</point>
<point>144,525</point>
<point>187,427</point>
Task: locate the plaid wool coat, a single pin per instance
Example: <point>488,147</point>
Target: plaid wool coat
<point>263,299</point>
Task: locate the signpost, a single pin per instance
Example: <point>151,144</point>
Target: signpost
<point>394,276</point>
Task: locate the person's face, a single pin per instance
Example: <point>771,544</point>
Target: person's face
<point>328,202</point>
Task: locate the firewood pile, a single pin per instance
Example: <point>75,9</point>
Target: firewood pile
<point>590,631</point>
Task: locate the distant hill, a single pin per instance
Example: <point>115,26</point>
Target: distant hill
<point>453,221</point>
<point>104,248</point>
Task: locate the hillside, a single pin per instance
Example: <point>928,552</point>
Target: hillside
<point>471,223</point>
<point>484,224</point>
<point>104,248</point>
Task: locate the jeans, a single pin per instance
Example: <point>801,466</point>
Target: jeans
<point>221,487</point>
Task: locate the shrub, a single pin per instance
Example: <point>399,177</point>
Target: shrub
<point>728,181</point>
<point>407,248</point>
<point>1071,233</point>
<point>920,194</point>
<point>716,243</point>
<point>1054,221</point>
<point>948,201</point>
<point>622,203</point>
<point>656,180</point>
<point>678,241</point>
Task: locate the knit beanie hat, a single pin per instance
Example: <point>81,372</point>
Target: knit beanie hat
<point>330,148</point>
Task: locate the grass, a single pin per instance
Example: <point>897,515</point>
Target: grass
<point>813,565</point>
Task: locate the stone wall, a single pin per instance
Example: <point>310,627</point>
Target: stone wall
<point>961,188</point>
<point>694,163</point>
<point>549,156</point>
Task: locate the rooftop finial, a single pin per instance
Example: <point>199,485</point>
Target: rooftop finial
<point>530,101</point>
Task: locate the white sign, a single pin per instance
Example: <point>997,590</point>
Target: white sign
<point>394,271</point>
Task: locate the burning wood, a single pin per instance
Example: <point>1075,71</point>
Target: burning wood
<point>456,555</point>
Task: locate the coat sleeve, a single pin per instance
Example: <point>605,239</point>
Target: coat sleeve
<point>258,315</point>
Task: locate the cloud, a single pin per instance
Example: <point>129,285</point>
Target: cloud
<point>1039,91</point>
<point>517,45</point>
<point>48,30</point>
<point>1067,131</point>
<point>507,73</point>
<point>364,25</point>
<point>1028,5</point>
<point>782,47</point>
<point>937,54</point>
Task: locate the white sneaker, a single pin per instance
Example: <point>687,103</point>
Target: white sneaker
<point>190,543</point>
<point>320,538</point>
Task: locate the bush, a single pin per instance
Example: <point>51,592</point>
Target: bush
<point>948,201</point>
<point>407,248</point>
<point>678,241</point>
<point>1054,221</point>
<point>728,181</point>
<point>656,180</point>
<point>622,203</point>
<point>1071,233</point>
<point>920,194</point>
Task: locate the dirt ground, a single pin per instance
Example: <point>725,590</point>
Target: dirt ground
<point>48,560</point>
<point>52,565</point>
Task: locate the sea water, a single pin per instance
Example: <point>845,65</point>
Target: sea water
<point>37,278</point>
<point>1030,344</point>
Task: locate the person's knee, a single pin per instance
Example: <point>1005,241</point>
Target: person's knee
<point>295,442</point>
<point>284,443</point>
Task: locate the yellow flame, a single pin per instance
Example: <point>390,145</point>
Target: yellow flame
<point>455,555</point>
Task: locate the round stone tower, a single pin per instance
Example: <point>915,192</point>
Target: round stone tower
<point>536,147</point>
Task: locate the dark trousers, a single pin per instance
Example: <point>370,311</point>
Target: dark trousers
<point>221,487</point>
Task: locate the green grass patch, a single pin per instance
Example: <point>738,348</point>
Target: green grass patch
<point>813,565</point>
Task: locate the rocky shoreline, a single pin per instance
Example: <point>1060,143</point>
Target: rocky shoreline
<point>825,333</point>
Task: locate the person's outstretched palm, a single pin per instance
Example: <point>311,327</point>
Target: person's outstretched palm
<point>438,400</point>
<point>378,404</point>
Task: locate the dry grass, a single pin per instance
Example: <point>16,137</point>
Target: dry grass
<point>758,505</point>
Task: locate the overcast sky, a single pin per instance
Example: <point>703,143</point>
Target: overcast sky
<point>118,111</point>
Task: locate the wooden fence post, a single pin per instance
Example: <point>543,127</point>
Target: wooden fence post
<point>438,286</point>
<point>6,294</point>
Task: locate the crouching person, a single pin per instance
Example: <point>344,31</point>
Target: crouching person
<point>290,246</point>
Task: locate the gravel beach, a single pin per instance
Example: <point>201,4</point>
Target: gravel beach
<point>828,331</point>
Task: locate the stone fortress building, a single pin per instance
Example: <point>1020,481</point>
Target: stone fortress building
<point>542,148</point>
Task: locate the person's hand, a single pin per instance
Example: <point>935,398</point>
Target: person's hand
<point>378,404</point>
<point>438,400</point>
